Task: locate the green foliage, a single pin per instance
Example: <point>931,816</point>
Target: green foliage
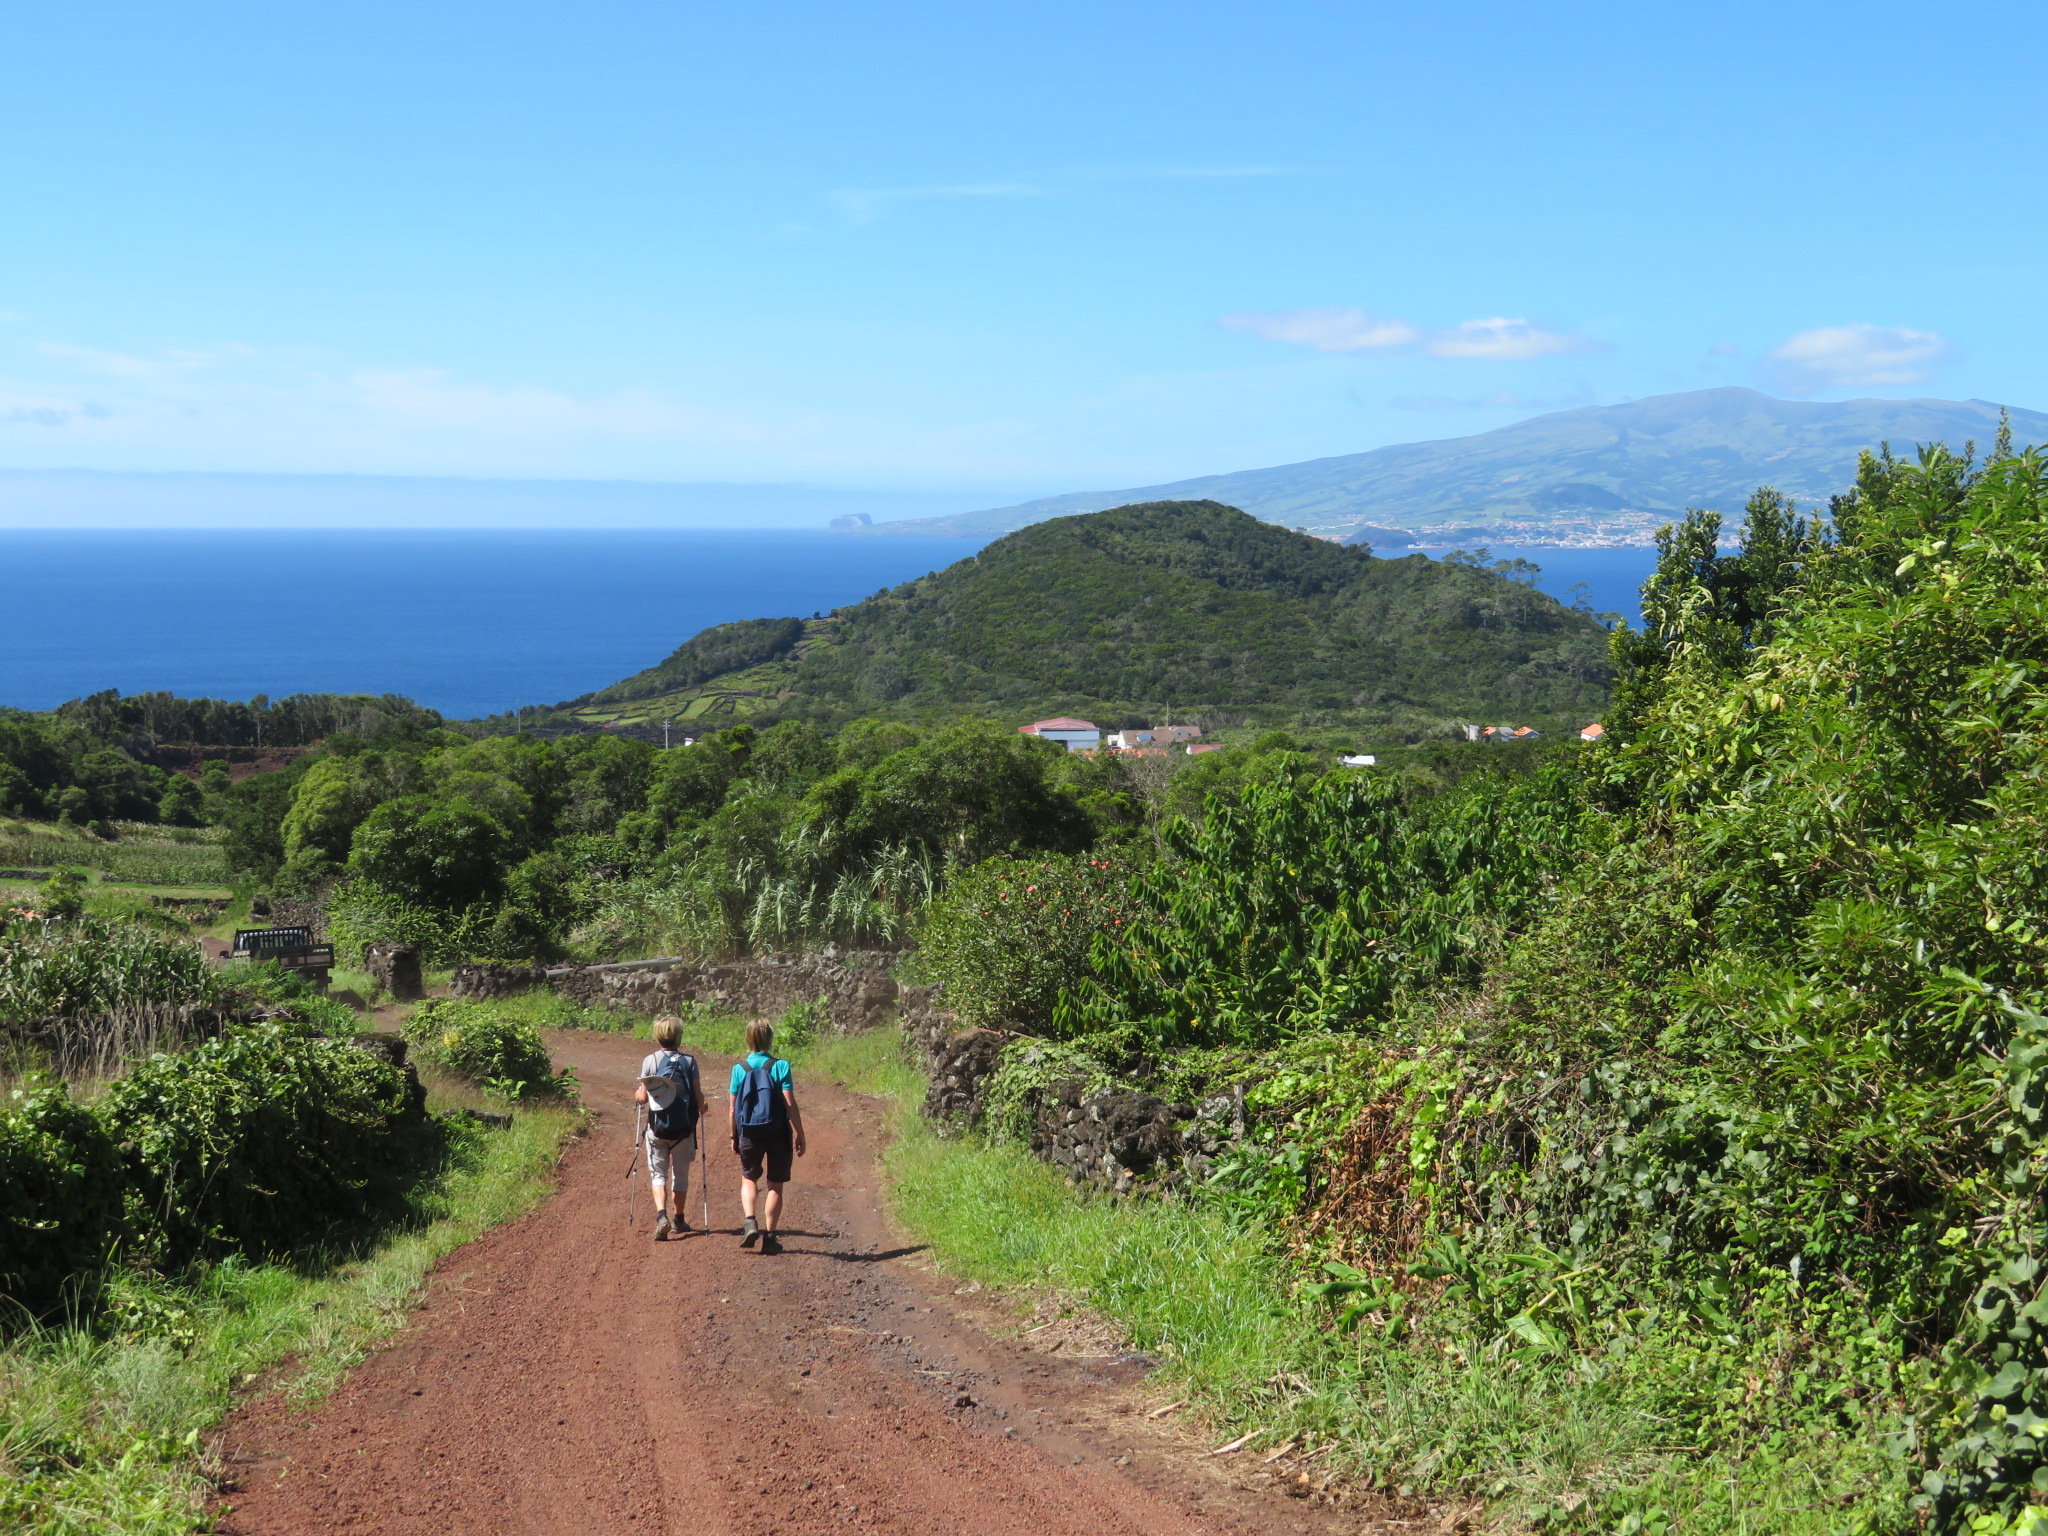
<point>440,855</point>
<point>486,1043</point>
<point>1693,1081</point>
<point>261,1140</point>
<point>1316,907</point>
<point>62,896</point>
<point>1009,935</point>
<point>60,1199</point>
<point>183,803</point>
<point>106,1421</point>
<point>95,967</point>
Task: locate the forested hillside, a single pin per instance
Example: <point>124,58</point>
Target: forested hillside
<point>1182,606</point>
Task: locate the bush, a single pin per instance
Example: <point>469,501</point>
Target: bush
<point>1009,935</point>
<point>481,1042</point>
<point>360,914</point>
<point>260,1140</point>
<point>60,1193</point>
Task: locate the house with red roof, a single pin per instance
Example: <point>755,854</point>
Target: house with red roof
<point>1077,735</point>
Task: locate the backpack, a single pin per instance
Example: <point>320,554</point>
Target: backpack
<point>679,1121</point>
<point>761,1107</point>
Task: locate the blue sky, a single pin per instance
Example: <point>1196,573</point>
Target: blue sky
<point>1013,249</point>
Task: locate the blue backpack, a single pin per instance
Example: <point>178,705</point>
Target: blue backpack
<point>679,1121</point>
<point>761,1107</point>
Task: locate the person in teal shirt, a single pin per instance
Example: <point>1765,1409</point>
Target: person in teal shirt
<point>767,1133</point>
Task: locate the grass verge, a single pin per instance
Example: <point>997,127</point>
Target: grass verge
<point>1582,1444</point>
<point>104,1430</point>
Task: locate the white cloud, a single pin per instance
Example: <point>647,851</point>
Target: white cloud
<point>1848,356</point>
<point>865,205</point>
<point>1353,330</point>
<point>1327,330</point>
<point>1502,339</point>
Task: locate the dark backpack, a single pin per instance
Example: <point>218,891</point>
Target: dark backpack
<point>761,1107</point>
<point>679,1121</point>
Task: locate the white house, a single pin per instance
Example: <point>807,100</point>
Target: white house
<point>1358,760</point>
<point>1123,740</point>
<point>1078,735</point>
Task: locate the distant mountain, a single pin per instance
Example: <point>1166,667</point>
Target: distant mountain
<point>1602,474</point>
<point>1179,606</point>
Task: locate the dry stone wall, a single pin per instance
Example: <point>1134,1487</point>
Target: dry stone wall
<point>1115,1137</point>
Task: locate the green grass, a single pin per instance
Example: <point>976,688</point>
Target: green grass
<point>1248,1353</point>
<point>550,1010</point>
<point>105,1430</point>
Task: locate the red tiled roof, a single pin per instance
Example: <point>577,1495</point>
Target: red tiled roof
<point>1060,724</point>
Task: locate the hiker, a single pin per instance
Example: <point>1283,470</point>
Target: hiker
<point>670,1090</point>
<point>767,1129</point>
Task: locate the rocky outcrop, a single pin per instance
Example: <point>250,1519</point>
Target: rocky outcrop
<point>396,970</point>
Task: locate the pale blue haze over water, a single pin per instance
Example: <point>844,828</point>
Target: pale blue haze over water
<point>469,623</point>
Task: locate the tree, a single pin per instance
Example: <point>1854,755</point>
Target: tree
<point>965,793</point>
<point>446,856</point>
<point>183,805</point>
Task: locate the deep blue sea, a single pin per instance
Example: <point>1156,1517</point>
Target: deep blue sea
<point>467,622</point>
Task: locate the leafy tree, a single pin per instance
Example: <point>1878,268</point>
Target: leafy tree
<point>444,856</point>
<point>252,812</point>
<point>183,804</point>
<point>964,793</point>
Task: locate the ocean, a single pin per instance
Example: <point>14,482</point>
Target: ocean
<point>468,622</point>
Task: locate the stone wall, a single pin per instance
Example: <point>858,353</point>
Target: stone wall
<point>490,979</point>
<point>1118,1137</point>
<point>855,985</point>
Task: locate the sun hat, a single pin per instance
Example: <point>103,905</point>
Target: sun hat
<point>661,1090</point>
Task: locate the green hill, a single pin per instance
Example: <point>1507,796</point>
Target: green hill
<point>1179,606</point>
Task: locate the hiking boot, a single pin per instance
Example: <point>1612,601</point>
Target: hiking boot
<point>770,1243</point>
<point>749,1234</point>
<point>679,1225</point>
<point>661,1229</point>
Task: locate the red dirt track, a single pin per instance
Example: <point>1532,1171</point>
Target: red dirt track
<point>568,1376</point>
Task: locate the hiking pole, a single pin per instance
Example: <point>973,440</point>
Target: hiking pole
<point>639,1110</point>
<point>703,1172</point>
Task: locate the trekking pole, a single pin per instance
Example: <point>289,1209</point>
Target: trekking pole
<point>703,1172</point>
<point>639,1110</point>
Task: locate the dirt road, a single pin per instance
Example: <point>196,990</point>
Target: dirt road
<point>568,1376</point>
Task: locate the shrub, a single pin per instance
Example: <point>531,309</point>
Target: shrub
<point>262,1139</point>
<point>360,914</point>
<point>60,1194</point>
<point>1009,935</point>
<point>483,1043</point>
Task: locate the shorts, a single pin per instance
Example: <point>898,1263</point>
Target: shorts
<point>661,1155</point>
<point>774,1149</point>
